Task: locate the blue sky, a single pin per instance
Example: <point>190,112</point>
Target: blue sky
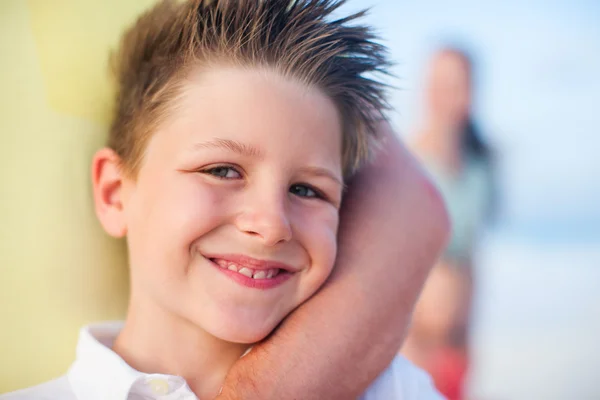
<point>538,97</point>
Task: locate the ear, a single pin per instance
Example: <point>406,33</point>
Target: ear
<point>107,182</point>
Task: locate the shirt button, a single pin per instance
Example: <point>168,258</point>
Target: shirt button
<point>158,385</point>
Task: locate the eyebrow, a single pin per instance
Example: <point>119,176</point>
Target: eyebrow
<point>322,172</point>
<point>232,145</point>
<point>251,151</point>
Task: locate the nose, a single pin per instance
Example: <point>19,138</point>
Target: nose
<point>265,216</point>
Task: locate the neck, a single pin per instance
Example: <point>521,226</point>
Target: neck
<point>155,341</point>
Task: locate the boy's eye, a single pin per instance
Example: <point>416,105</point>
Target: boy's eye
<point>303,191</point>
<point>223,172</point>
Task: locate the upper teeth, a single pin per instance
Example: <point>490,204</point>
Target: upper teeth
<point>250,273</point>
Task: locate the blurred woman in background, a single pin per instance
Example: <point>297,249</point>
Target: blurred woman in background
<point>448,144</point>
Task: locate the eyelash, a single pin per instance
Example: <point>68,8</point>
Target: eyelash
<point>318,193</point>
<point>228,167</point>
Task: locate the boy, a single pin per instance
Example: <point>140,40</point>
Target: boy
<point>237,125</point>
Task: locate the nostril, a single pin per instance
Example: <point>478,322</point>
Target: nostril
<point>269,226</point>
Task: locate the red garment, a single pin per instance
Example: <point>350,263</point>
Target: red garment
<point>449,370</point>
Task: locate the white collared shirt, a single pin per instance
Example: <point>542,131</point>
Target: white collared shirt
<point>98,373</point>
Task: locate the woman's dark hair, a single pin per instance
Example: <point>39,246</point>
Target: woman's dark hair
<point>472,144</point>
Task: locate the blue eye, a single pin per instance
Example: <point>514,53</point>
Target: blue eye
<point>303,191</point>
<point>223,172</point>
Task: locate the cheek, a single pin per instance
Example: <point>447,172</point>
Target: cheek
<point>437,100</point>
<point>318,235</point>
<point>170,218</point>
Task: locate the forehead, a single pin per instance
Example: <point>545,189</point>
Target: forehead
<point>449,66</point>
<point>259,107</point>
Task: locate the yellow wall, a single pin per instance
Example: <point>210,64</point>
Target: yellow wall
<point>58,270</point>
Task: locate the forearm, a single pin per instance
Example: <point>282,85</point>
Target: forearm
<point>393,226</point>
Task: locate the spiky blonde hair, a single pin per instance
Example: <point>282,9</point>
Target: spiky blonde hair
<point>299,39</point>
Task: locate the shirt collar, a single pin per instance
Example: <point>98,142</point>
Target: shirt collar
<point>100,373</point>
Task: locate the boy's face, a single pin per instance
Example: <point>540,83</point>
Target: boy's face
<point>242,179</point>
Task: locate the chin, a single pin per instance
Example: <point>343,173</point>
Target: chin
<point>243,334</point>
<point>245,337</point>
<point>242,330</point>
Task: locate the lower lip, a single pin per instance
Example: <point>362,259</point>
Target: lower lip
<point>262,284</point>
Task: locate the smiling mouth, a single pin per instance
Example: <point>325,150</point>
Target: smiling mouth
<point>256,274</point>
